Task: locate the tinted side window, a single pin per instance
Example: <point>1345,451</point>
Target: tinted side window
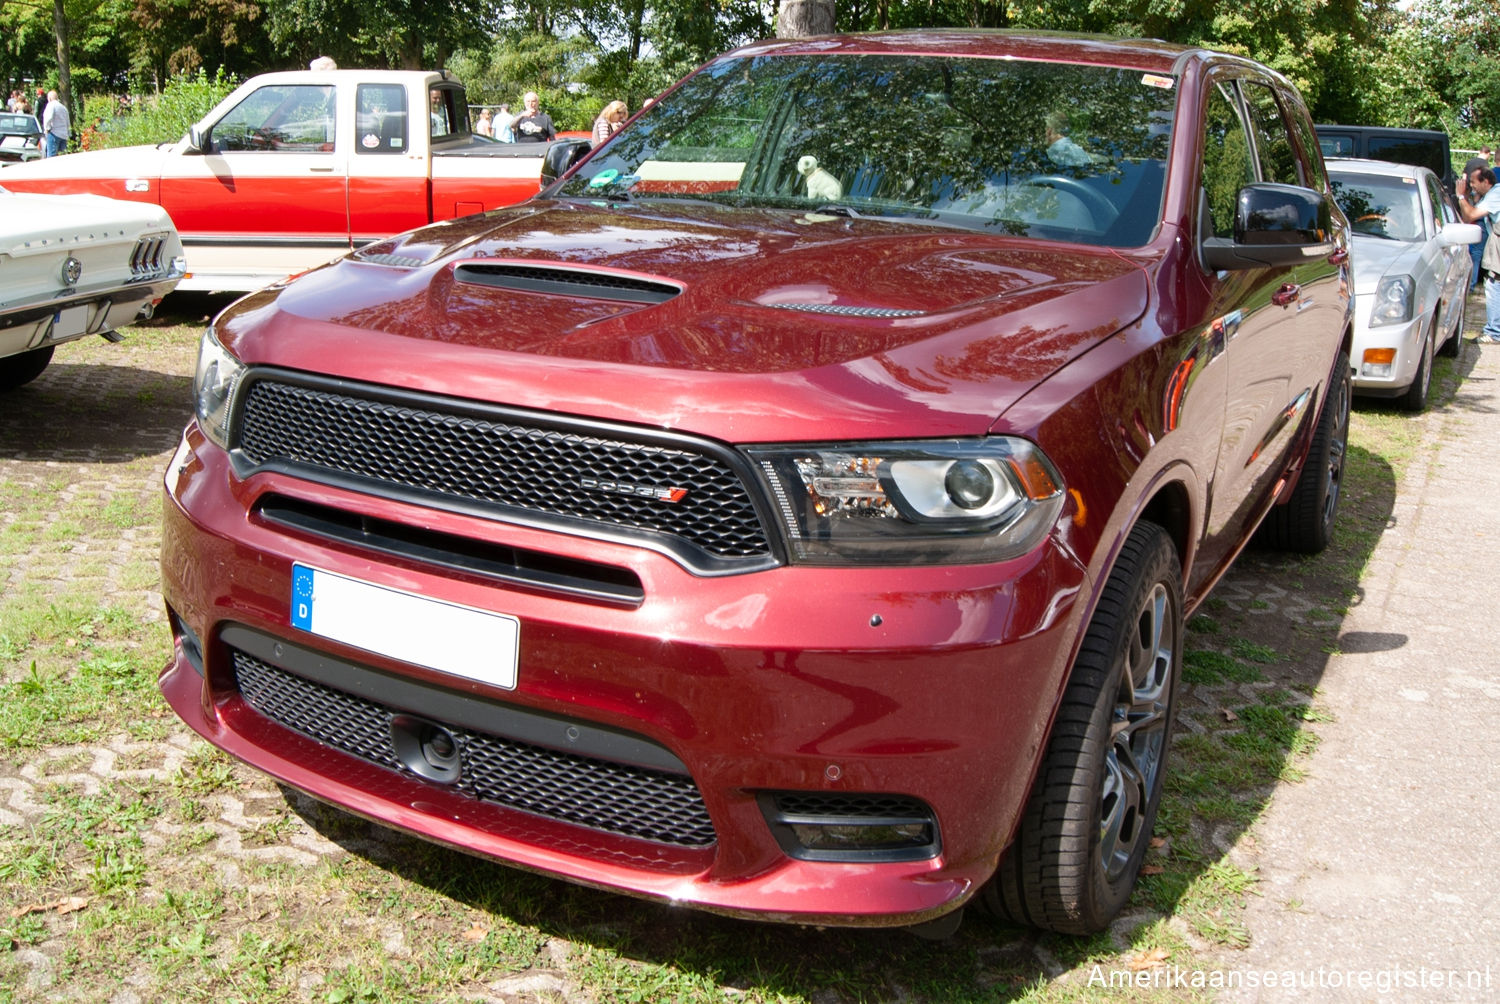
<point>1311,158</point>
<point>1273,141</point>
<point>1440,206</point>
<point>1227,166</point>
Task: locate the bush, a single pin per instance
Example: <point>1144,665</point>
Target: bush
<point>163,118</point>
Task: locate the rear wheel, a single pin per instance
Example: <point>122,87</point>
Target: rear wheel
<point>1305,522</point>
<point>1088,823</point>
<point>23,368</point>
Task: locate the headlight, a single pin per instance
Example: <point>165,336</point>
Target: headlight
<point>1393,300</point>
<point>937,502</point>
<point>213,387</point>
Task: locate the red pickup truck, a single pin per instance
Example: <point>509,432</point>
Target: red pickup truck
<point>296,168</point>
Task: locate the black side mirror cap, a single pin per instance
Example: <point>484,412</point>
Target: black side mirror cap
<point>561,155</point>
<point>1274,226</point>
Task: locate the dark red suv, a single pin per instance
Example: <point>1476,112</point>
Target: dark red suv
<point>792,512</point>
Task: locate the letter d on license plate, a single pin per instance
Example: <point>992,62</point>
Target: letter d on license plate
<point>462,641</point>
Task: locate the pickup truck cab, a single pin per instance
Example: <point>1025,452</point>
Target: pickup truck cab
<point>793,511</point>
<point>298,167</point>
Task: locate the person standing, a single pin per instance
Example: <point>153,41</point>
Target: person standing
<point>1475,250</point>
<point>504,123</point>
<point>484,126</point>
<point>609,121</point>
<point>56,125</point>
<point>534,125</point>
<point>1488,206</point>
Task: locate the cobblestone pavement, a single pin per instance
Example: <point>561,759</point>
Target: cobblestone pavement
<point>1383,857</point>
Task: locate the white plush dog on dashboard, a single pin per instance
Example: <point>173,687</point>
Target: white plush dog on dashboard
<point>820,184</point>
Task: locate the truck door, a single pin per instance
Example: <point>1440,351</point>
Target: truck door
<point>388,186</point>
<point>270,184</point>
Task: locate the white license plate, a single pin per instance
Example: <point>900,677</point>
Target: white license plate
<point>70,322</point>
<point>461,641</point>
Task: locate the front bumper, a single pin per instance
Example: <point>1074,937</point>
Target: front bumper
<point>929,686</point>
<point>1375,377</point>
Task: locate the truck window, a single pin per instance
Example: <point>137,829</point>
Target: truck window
<point>380,118</point>
<point>447,109</point>
<point>280,118</point>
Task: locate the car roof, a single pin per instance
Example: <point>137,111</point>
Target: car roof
<point>1361,165</point>
<point>1100,50</point>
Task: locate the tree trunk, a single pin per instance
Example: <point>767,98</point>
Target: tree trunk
<point>801,18</point>
<point>64,73</point>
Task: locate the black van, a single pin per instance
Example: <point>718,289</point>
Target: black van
<point>1422,147</point>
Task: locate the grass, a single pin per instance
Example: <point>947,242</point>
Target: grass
<point>145,858</point>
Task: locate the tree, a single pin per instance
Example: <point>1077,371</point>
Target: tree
<point>801,18</point>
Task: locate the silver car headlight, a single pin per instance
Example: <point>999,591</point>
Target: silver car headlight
<point>937,502</point>
<point>214,382</point>
<point>1393,300</point>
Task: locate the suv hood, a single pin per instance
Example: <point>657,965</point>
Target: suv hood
<point>727,322</point>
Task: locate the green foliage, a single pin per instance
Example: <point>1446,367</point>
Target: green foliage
<point>165,119</point>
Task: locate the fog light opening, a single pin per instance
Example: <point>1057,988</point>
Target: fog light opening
<point>427,749</point>
<point>839,826</point>
<point>187,638</point>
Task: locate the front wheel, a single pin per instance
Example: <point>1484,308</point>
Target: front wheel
<point>1088,823</point>
<point>1415,398</point>
<point>1305,522</point>
<point>24,367</point>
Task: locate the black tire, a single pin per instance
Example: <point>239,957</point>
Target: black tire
<point>1088,822</point>
<point>1416,396</point>
<point>23,368</point>
<point>1305,523</point>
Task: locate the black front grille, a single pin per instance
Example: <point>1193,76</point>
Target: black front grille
<point>613,797</point>
<point>516,465</point>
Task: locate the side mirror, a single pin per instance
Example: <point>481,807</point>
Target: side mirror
<point>197,141</point>
<point>1457,234</point>
<point>561,155</point>
<point>1275,226</point>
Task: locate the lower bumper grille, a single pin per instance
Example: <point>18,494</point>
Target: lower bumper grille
<point>616,798</point>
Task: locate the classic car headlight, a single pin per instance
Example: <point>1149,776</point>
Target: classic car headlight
<point>918,501</point>
<point>1393,300</point>
<point>213,387</point>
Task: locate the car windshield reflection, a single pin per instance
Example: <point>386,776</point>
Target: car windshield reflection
<point>1055,151</point>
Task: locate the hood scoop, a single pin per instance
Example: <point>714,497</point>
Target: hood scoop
<point>845,310</point>
<point>567,280</point>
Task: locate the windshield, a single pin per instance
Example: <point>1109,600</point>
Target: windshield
<point>1048,150</point>
<point>1380,206</point>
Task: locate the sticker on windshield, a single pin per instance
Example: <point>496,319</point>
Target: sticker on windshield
<point>1156,80</point>
<point>603,178</point>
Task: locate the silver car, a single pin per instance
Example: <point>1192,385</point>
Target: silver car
<point>1411,274</point>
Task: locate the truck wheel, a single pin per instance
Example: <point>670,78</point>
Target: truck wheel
<point>23,368</point>
<point>1305,523</point>
<point>1415,398</point>
<point>1088,823</point>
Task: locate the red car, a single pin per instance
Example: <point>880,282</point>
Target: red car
<point>792,512</point>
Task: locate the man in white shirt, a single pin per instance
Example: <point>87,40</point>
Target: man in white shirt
<point>56,125</point>
<point>1488,206</point>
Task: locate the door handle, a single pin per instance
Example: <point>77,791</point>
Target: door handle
<point>1286,295</point>
<point>321,170</point>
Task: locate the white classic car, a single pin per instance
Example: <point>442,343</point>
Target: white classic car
<point>1411,274</point>
<point>76,265</point>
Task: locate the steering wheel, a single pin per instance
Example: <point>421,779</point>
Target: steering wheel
<point>1104,211</point>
